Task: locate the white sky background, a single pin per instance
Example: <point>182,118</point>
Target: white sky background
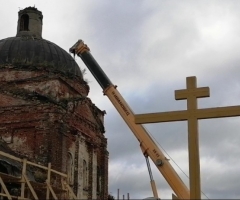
<point>148,48</point>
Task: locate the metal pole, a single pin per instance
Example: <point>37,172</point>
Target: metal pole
<point>153,185</point>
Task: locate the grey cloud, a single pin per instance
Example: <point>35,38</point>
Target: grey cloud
<point>147,49</point>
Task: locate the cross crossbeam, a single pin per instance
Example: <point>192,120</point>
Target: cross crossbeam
<point>183,115</point>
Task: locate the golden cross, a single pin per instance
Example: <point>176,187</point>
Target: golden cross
<point>192,114</point>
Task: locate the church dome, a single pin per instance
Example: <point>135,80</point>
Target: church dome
<point>29,51</point>
<point>28,47</point>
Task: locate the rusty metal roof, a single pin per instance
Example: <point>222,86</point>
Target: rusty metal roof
<point>32,51</point>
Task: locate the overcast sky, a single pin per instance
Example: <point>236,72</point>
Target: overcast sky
<point>148,48</point>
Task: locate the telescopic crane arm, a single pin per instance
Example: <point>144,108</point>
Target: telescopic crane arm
<point>147,144</point>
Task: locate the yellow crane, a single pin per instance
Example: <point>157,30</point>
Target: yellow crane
<point>148,146</point>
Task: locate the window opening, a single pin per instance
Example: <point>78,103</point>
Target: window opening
<point>70,168</point>
<point>98,180</point>
<point>85,175</point>
<point>24,22</point>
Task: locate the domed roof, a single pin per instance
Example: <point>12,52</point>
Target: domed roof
<point>29,50</point>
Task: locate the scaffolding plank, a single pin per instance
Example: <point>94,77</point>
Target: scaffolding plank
<point>71,192</point>
<point>30,187</point>
<point>22,179</point>
<point>52,192</point>
<point>5,189</point>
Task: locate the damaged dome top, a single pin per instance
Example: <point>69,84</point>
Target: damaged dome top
<point>28,47</point>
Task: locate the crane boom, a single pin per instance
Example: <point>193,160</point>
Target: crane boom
<point>147,144</point>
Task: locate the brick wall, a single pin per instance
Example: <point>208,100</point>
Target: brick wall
<point>47,117</point>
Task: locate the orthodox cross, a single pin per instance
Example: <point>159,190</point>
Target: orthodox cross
<point>192,115</point>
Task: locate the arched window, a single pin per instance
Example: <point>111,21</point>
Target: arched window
<point>70,168</point>
<point>24,22</point>
<point>85,175</point>
<point>98,180</point>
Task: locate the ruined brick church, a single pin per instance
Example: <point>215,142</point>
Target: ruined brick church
<point>47,117</point>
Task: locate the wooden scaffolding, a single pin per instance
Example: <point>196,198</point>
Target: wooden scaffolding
<point>28,189</point>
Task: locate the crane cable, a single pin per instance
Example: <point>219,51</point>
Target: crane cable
<point>173,160</point>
